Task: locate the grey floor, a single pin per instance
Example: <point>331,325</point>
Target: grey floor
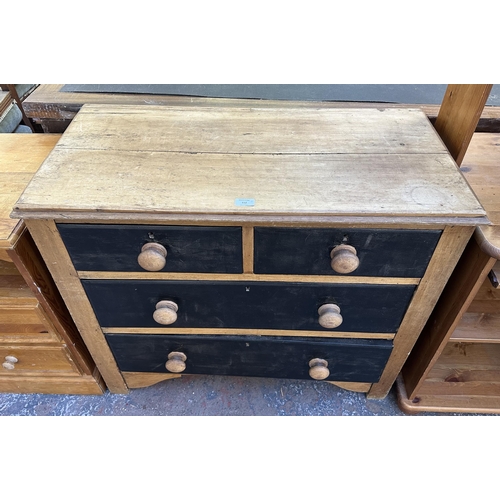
<point>193,395</point>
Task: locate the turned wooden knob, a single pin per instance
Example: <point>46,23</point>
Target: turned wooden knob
<point>176,362</point>
<point>318,369</point>
<point>10,362</point>
<point>329,316</point>
<point>344,259</point>
<point>153,257</point>
<point>166,312</point>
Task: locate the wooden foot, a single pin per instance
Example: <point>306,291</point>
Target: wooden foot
<point>353,386</point>
<point>137,380</point>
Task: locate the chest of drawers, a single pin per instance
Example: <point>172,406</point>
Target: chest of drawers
<point>293,243</point>
<point>40,348</point>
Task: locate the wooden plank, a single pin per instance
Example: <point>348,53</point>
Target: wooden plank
<point>247,276</point>
<point>464,370</point>
<point>248,250</point>
<point>48,105</point>
<point>240,331</point>
<point>251,130</point>
<point>84,385</point>
<point>459,292</point>
<point>446,404</point>
<point>283,221</point>
<point>478,327</point>
<point>317,185</point>
<point>459,115</point>
<point>471,388</point>
<point>467,362</point>
<point>446,255</point>
<point>387,222</point>
<point>26,324</point>
<point>54,253</point>
<point>48,102</point>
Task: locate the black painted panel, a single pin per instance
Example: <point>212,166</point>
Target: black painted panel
<point>283,306</point>
<point>191,249</point>
<point>382,252</point>
<point>349,360</point>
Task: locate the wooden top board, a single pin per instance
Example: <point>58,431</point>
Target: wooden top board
<point>135,160</point>
<point>20,157</point>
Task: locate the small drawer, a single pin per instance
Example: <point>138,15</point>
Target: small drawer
<point>34,359</point>
<point>188,249</point>
<point>380,252</point>
<point>252,305</point>
<point>348,360</point>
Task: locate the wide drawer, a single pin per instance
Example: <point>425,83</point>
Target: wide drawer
<point>252,305</point>
<point>34,359</point>
<point>381,252</point>
<point>190,249</point>
<point>349,360</point>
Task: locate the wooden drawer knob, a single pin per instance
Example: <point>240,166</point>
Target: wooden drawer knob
<point>176,362</point>
<point>10,362</point>
<point>318,369</point>
<point>166,312</point>
<point>153,257</point>
<point>329,316</point>
<point>344,259</point>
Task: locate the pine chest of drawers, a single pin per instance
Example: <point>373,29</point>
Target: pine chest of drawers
<point>278,242</point>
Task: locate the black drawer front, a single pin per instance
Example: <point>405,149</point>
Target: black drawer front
<point>190,249</point>
<point>349,360</point>
<point>257,305</point>
<point>381,252</point>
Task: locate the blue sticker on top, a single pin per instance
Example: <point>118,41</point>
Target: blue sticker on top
<point>244,202</point>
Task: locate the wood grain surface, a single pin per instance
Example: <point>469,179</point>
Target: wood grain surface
<point>480,168</point>
<point>16,170</point>
<point>459,115</point>
<point>140,160</point>
<point>47,104</point>
<point>252,130</point>
<point>47,239</point>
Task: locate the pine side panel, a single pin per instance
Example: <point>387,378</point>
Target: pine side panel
<point>446,255</point>
<point>51,247</point>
